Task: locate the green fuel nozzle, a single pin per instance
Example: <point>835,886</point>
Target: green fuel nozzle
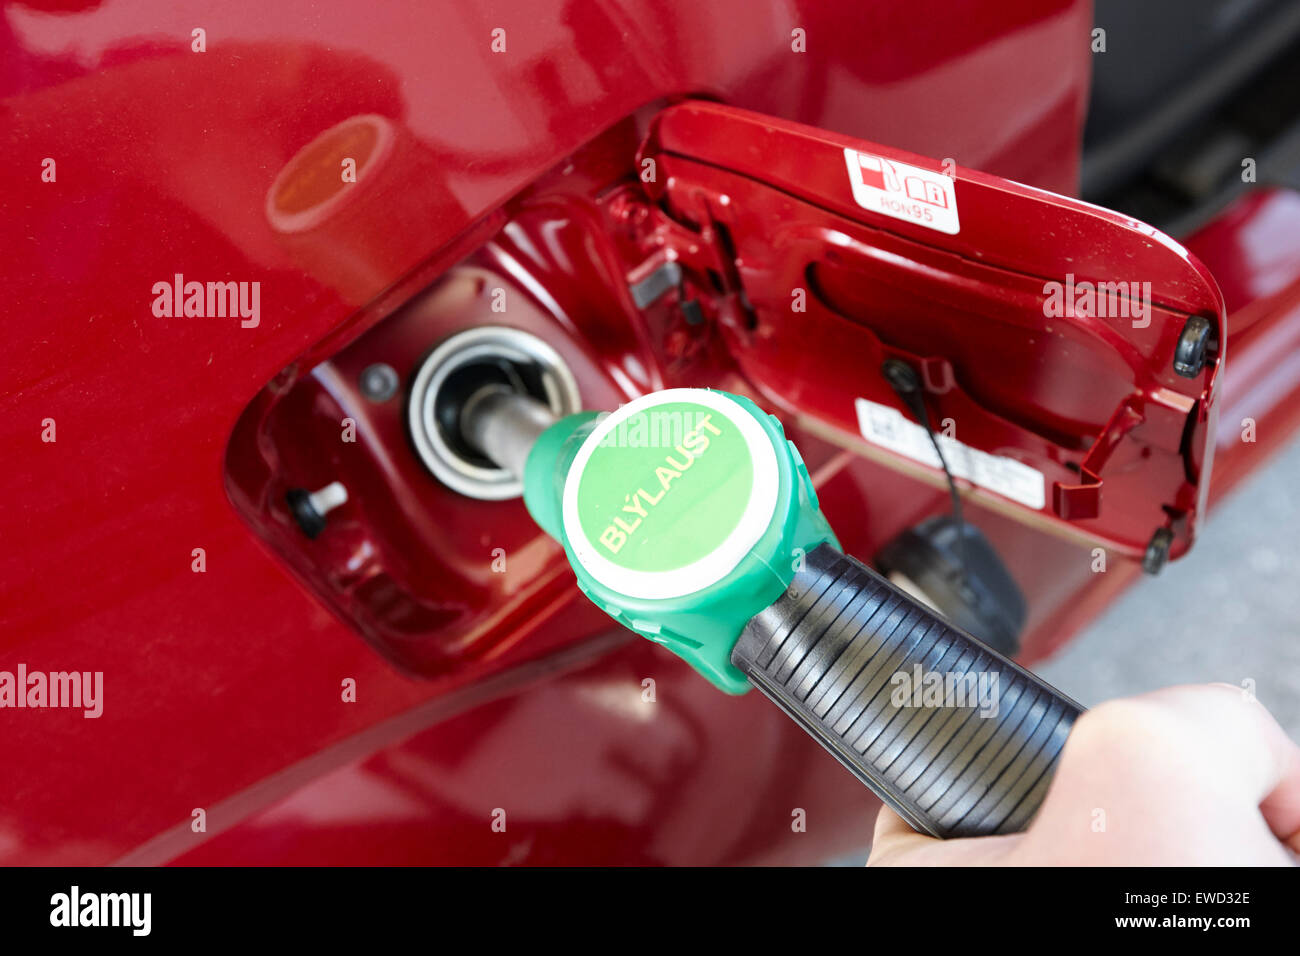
<point>684,514</point>
<point>690,518</point>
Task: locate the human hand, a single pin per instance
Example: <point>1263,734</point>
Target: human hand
<point>1186,776</point>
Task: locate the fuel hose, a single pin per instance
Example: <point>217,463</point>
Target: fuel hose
<point>689,518</point>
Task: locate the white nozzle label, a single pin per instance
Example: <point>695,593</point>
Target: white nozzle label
<point>669,493</point>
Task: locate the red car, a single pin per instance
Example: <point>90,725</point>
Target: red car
<point>239,238</point>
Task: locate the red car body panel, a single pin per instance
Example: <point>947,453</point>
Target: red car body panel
<point>222,688</point>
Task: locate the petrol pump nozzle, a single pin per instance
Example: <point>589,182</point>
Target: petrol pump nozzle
<point>688,517</point>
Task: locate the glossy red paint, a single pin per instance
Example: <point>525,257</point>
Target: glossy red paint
<point>1254,249</point>
<point>222,688</point>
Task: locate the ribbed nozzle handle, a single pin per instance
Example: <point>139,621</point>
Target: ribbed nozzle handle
<point>956,738</point>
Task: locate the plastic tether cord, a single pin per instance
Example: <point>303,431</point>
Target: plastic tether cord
<point>903,380</point>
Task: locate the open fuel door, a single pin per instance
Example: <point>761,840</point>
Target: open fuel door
<point>1069,354</point>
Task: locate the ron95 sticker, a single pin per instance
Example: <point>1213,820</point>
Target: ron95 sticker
<point>919,196</point>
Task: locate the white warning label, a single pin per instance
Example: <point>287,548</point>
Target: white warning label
<point>889,428</point>
<point>905,192</point>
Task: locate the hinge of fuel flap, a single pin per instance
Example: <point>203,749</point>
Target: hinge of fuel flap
<point>694,258</point>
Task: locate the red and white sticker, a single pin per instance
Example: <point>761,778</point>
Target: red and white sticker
<point>915,195</point>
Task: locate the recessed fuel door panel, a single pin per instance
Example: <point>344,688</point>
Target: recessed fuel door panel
<point>1069,354</point>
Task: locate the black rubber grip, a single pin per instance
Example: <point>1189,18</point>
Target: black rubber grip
<point>957,739</point>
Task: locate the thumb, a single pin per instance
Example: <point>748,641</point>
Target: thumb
<point>896,844</point>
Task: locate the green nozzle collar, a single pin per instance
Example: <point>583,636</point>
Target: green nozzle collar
<point>684,514</point>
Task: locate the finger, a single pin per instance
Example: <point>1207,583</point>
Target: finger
<point>1140,777</point>
<point>895,843</point>
<point>1281,808</point>
<point>1249,748</point>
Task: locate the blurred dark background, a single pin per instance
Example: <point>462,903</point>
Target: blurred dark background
<point>1185,90</point>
